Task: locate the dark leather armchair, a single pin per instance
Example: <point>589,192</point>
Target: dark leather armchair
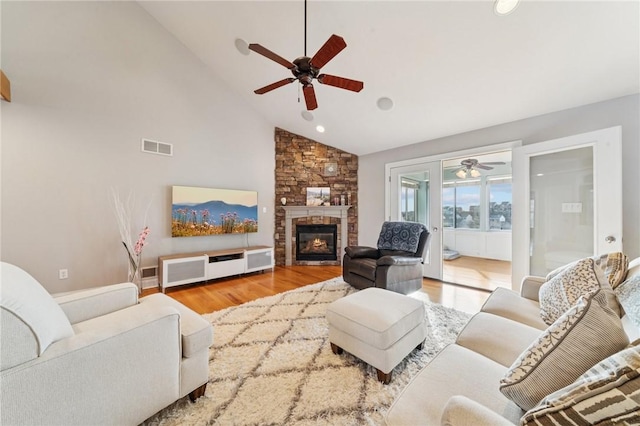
<point>395,265</point>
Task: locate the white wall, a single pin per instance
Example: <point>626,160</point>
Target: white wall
<point>623,111</point>
<point>89,80</point>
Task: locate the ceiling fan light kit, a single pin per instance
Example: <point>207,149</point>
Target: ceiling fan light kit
<point>470,167</point>
<point>306,69</point>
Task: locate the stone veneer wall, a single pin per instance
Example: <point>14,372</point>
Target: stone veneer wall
<point>300,163</point>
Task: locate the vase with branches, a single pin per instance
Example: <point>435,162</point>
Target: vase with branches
<point>123,211</point>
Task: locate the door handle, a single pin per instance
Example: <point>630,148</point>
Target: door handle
<point>610,239</point>
<point>434,229</point>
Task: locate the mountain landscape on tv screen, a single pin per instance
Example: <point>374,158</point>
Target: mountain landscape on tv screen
<point>212,218</point>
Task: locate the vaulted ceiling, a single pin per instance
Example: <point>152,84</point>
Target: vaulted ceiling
<point>448,66</point>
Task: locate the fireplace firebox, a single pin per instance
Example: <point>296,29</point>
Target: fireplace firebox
<point>316,242</point>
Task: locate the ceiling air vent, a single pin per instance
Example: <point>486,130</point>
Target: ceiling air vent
<point>154,147</point>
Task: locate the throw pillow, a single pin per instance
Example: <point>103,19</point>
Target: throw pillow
<point>628,294</point>
<point>403,236</point>
<point>611,266</point>
<point>607,393</point>
<point>586,334</point>
<point>22,295</point>
<point>562,291</point>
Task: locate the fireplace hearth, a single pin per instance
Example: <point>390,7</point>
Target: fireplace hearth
<point>316,242</point>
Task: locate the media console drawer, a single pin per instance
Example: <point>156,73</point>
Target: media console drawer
<point>189,268</point>
<point>225,268</point>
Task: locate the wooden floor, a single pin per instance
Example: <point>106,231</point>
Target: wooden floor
<point>487,274</point>
<point>219,294</point>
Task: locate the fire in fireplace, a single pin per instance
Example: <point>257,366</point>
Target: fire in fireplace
<point>316,242</point>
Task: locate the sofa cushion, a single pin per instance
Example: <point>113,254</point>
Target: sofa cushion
<point>612,267</point>
<point>608,392</point>
<point>509,304</point>
<point>403,236</point>
<point>499,339</point>
<point>454,371</point>
<point>196,332</point>
<point>26,299</point>
<point>628,294</point>
<point>586,334</point>
<point>563,290</point>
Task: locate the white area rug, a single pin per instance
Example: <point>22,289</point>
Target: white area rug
<point>271,364</point>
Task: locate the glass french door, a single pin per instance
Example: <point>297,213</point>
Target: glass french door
<point>415,195</point>
<point>567,197</point>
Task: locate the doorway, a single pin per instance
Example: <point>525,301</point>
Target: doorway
<point>465,211</point>
<point>476,220</point>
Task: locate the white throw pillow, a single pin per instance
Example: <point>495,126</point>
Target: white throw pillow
<point>562,291</point>
<point>23,296</point>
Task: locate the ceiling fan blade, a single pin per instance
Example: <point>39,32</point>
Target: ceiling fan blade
<point>483,167</point>
<point>269,54</point>
<point>328,51</point>
<point>493,163</point>
<point>341,82</point>
<point>270,87</point>
<point>310,97</point>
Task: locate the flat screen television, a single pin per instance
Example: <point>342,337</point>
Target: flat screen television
<point>209,211</point>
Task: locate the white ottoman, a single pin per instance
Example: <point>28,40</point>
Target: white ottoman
<point>378,326</point>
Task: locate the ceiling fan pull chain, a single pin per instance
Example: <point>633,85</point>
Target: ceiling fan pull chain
<point>305,31</point>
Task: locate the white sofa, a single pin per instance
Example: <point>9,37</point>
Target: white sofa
<point>96,356</point>
<point>461,385</point>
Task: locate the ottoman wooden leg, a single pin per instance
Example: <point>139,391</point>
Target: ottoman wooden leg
<point>384,377</point>
<point>336,349</point>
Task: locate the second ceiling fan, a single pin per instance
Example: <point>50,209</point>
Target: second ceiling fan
<point>306,69</point>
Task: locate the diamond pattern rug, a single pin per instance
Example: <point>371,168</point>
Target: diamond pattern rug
<point>271,364</point>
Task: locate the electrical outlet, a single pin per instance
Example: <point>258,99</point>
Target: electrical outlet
<point>63,274</point>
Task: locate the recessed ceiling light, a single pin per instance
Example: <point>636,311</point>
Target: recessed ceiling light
<point>504,7</point>
<point>242,46</point>
<point>320,128</point>
<point>307,115</point>
<point>385,104</point>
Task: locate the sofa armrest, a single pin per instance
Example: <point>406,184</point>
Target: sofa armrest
<point>398,260</point>
<point>82,305</point>
<point>530,287</point>
<point>462,411</point>
<point>355,252</point>
<point>129,359</point>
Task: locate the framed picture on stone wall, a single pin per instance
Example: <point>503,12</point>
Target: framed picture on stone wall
<point>331,169</point>
<point>318,196</point>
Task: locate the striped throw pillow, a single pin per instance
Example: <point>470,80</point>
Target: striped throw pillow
<point>586,334</point>
<point>609,393</point>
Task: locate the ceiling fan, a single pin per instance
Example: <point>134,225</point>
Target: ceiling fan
<point>306,69</point>
<point>470,167</point>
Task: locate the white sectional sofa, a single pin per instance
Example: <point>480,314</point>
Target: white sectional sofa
<point>97,356</point>
<point>461,385</point>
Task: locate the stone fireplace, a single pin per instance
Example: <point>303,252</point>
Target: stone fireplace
<point>303,163</point>
<point>316,242</point>
<point>309,213</point>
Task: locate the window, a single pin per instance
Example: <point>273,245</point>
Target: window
<point>448,205</point>
<point>468,204</point>
<point>483,204</point>
<point>499,190</point>
<point>409,199</point>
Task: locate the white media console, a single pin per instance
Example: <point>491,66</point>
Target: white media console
<point>186,268</point>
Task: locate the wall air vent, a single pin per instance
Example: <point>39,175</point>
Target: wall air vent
<point>154,147</point>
